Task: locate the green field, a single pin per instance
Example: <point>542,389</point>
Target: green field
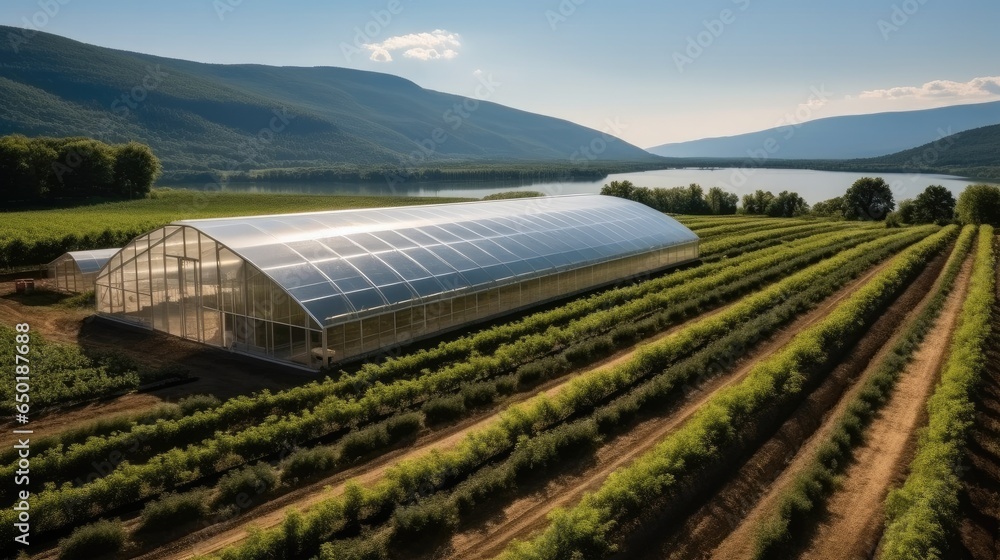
<point>38,236</point>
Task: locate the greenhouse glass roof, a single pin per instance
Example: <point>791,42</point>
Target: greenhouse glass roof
<point>352,263</point>
<point>89,261</point>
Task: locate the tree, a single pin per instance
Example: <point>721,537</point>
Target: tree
<point>906,211</point>
<point>621,189</point>
<point>868,199</point>
<point>935,205</point>
<point>721,202</point>
<point>84,168</point>
<point>979,204</point>
<point>135,169</point>
<point>757,202</point>
<point>833,207</point>
<point>786,205</point>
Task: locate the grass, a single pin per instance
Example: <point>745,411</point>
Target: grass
<point>37,236</point>
<point>167,205</point>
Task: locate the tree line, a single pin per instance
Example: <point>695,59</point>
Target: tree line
<point>869,198</point>
<point>693,199</point>
<point>43,168</point>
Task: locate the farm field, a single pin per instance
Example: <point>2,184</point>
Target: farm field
<point>38,236</point>
<point>747,405</point>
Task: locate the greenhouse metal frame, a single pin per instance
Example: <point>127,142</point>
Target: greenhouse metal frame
<point>315,288</point>
<point>76,271</point>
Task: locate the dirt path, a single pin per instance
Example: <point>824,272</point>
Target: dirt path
<point>856,507</point>
<point>854,521</point>
<point>529,513</point>
<point>273,513</point>
<point>721,509</point>
<point>217,537</point>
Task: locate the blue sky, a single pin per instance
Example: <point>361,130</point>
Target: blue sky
<point>650,71</point>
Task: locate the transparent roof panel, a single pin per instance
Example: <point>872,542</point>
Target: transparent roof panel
<point>88,261</point>
<point>352,263</point>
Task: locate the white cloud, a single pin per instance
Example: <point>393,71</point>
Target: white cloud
<point>988,86</point>
<point>422,46</point>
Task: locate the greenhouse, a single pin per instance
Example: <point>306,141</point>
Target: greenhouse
<point>76,271</point>
<point>310,289</point>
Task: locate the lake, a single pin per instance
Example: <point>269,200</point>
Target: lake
<point>814,186</point>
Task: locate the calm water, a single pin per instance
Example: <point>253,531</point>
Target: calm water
<point>814,186</point>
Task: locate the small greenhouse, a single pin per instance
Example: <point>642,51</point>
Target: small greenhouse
<point>309,289</point>
<point>76,271</point>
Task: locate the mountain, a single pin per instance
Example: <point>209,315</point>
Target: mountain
<point>979,147</point>
<point>246,116</point>
<point>972,153</point>
<point>847,137</point>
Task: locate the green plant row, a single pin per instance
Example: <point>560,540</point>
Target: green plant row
<point>799,503</point>
<point>749,227</point>
<point>922,514</point>
<point>171,433</point>
<point>246,409</point>
<point>695,223</point>
<point>436,516</point>
<point>588,529</point>
<point>764,239</point>
<point>421,476</point>
<point>548,447</point>
<point>129,483</point>
<point>728,242</point>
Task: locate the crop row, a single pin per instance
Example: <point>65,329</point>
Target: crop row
<point>702,222</point>
<point>922,514</point>
<point>739,229</point>
<point>421,476</point>
<point>728,242</point>
<point>587,530</point>
<point>131,482</point>
<point>431,518</point>
<point>809,490</point>
<point>251,409</point>
<point>726,283</point>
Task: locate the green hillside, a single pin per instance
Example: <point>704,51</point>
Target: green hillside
<point>974,153</point>
<point>204,117</point>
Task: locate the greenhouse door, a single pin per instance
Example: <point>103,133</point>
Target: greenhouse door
<point>184,297</point>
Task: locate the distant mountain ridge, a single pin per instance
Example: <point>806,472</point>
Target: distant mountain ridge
<point>845,137</point>
<point>211,116</point>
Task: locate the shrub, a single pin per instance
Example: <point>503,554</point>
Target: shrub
<point>196,403</point>
<point>444,409</point>
<point>173,509</point>
<point>251,480</point>
<point>305,463</point>
<point>97,540</point>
